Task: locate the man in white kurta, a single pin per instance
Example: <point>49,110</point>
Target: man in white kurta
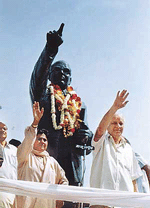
<point>114,165</point>
<point>38,166</point>
<point>8,169</point>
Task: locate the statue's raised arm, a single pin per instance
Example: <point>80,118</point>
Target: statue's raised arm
<point>41,70</point>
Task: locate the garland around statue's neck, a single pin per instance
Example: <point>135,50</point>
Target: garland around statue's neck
<point>69,105</point>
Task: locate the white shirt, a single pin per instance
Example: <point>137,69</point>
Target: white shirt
<point>142,182</point>
<point>114,165</point>
<point>8,170</point>
<point>9,166</point>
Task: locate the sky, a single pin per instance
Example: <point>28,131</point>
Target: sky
<point>106,43</point>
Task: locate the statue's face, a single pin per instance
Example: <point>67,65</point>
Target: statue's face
<point>60,74</point>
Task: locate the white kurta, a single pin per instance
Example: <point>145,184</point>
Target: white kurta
<point>33,166</point>
<point>114,166</point>
<point>8,171</point>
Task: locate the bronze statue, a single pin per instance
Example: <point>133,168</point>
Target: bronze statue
<point>64,112</point>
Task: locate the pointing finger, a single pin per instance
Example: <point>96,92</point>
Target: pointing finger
<point>59,31</point>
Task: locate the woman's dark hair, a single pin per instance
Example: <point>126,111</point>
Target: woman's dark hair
<point>43,131</point>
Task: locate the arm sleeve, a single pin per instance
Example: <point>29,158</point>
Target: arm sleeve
<point>136,171</point>
<point>83,126</point>
<point>26,146</point>
<point>60,175</point>
<point>97,145</point>
<point>141,161</point>
<point>40,73</point>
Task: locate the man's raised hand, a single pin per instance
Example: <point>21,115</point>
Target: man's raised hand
<point>120,100</point>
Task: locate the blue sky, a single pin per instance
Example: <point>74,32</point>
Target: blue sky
<point>106,43</point>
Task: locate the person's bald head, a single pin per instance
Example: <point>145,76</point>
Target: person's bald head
<point>116,126</point>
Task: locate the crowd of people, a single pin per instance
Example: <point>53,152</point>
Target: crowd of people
<point>115,165</point>
<point>49,153</point>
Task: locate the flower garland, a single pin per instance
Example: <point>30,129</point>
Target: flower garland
<point>70,107</point>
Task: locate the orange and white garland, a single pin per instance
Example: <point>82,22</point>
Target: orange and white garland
<point>70,107</point>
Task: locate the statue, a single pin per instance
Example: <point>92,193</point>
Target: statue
<point>64,113</point>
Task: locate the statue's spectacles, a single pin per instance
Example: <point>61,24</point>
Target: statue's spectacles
<point>65,71</point>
